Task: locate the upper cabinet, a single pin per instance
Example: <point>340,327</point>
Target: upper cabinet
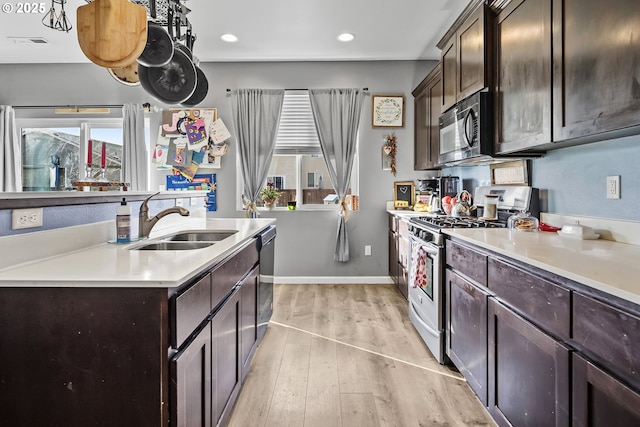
<point>466,55</point>
<point>567,72</point>
<point>522,91</point>
<point>427,99</point>
<point>596,67</point>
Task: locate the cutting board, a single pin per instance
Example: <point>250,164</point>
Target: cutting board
<point>112,33</point>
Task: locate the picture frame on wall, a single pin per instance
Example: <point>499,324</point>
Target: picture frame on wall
<point>387,111</point>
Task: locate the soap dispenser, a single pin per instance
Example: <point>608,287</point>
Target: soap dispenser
<point>123,222</point>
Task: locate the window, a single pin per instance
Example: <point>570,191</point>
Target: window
<point>298,169</point>
<point>47,142</point>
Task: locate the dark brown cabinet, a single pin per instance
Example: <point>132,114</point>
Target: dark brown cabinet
<point>601,400</point>
<point>552,352</point>
<point>190,372</point>
<point>225,365</point>
<point>528,372</point>
<point>249,319</point>
<point>596,67</point>
<point>466,55</point>
<point>466,331</point>
<point>130,356</point>
<point>399,253</point>
<point>522,91</point>
<point>393,248</point>
<point>428,100</point>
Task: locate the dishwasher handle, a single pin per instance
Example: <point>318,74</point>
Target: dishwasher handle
<point>266,236</point>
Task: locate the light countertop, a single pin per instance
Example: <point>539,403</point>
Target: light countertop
<point>608,266</point>
<point>105,264</point>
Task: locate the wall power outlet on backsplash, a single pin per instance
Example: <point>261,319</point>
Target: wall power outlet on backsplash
<point>26,218</point>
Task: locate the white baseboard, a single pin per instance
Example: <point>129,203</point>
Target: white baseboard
<point>332,280</point>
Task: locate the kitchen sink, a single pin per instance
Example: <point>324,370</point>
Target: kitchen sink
<point>199,236</point>
<point>172,246</point>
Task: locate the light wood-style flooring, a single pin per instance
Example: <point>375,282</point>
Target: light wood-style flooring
<point>347,355</point>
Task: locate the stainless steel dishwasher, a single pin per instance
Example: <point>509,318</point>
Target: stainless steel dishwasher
<point>266,246</point>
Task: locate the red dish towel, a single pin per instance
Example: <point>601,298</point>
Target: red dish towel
<point>418,266</point>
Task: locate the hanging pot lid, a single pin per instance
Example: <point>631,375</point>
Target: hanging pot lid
<point>159,48</point>
<point>172,83</point>
<point>200,93</point>
<point>127,75</point>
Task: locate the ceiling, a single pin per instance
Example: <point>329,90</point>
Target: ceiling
<point>276,30</point>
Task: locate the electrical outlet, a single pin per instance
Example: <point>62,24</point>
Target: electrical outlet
<point>26,218</point>
<point>367,250</point>
<point>613,187</point>
<point>193,201</point>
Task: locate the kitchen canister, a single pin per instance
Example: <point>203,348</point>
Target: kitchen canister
<point>490,207</point>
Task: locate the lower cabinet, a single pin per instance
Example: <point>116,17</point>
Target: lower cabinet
<point>225,368</point>
<point>249,319</point>
<point>207,373</point>
<point>600,400</point>
<point>190,372</point>
<point>528,372</point>
<point>466,314</point>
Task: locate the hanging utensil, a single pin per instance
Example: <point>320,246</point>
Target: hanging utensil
<point>112,33</point>
<point>202,84</point>
<point>158,49</point>
<point>172,83</point>
<point>201,90</point>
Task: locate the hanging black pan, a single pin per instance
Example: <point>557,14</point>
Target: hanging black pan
<point>172,83</point>
<point>159,48</point>
<point>200,92</point>
<point>202,84</point>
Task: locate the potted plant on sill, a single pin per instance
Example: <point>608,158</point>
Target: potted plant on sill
<point>269,196</point>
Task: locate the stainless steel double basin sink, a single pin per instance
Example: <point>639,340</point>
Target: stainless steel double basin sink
<point>185,240</point>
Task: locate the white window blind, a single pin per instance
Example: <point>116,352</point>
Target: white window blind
<point>297,131</point>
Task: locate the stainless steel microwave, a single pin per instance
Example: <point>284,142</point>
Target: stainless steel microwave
<point>466,130</point>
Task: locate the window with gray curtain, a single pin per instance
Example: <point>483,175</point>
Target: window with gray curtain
<point>336,113</point>
<point>256,113</point>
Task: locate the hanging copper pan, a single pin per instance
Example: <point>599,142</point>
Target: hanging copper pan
<point>126,75</point>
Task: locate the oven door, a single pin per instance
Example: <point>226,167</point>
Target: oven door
<point>425,299</point>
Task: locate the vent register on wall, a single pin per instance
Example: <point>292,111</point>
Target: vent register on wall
<point>137,52</point>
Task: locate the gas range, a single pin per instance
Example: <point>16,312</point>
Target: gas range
<point>444,221</point>
<point>428,228</point>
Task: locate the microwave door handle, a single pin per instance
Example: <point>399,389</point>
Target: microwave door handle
<point>465,128</point>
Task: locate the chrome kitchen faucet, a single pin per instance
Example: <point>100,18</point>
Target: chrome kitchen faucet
<point>145,224</point>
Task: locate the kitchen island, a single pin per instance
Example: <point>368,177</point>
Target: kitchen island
<point>545,328</point>
<point>104,334</point>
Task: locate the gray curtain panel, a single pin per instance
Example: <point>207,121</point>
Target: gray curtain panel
<point>256,114</point>
<point>336,113</point>
<point>135,158</point>
<point>10,154</point>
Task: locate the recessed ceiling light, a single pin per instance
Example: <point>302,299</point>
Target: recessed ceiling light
<point>346,37</point>
<point>229,38</point>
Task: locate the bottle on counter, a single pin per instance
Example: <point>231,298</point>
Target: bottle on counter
<point>123,222</point>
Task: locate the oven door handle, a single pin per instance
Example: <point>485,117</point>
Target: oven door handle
<point>430,249</point>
